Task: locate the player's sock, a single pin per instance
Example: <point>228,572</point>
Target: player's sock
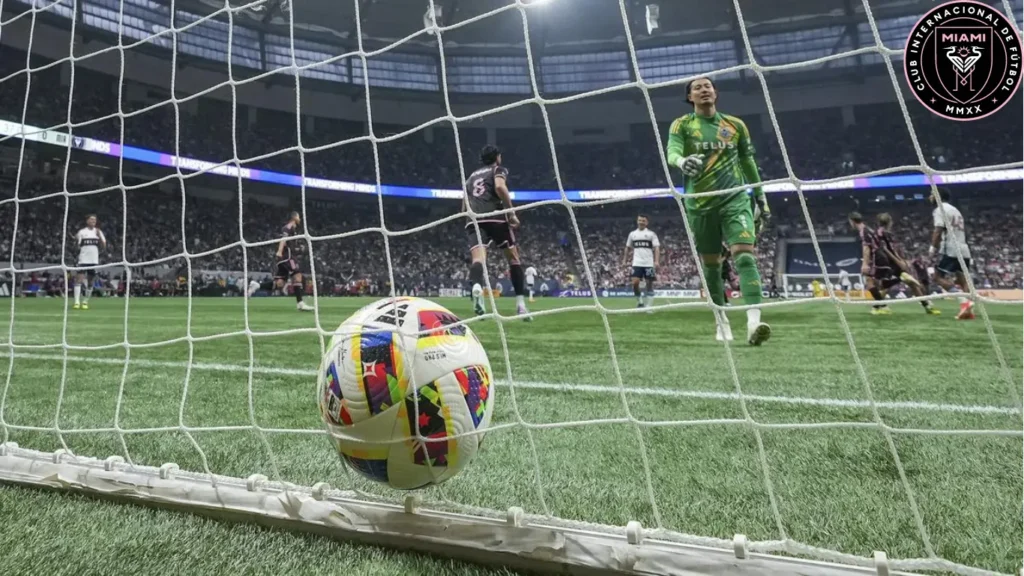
<point>78,293</point>
<point>299,290</point>
<point>750,278</point>
<point>877,295</point>
<point>531,294</point>
<point>713,276</point>
<point>515,272</point>
<point>476,273</point>
<point>88,293</point>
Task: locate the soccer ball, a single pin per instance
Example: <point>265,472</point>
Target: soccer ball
<point>397,388</point>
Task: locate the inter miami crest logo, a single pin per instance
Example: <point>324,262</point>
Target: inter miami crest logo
<point>963,60</point>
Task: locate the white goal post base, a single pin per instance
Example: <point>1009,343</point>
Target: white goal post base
<point>799,285</point>
<point>518,541</point>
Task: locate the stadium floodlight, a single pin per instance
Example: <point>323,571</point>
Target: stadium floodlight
<point>653,12</point>
<point>432,17</point>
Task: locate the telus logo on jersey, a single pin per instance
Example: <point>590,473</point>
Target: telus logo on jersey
<point>714,145</point>
<point>962,60</point>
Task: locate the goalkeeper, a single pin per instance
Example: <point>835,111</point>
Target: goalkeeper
<point>714,152</point>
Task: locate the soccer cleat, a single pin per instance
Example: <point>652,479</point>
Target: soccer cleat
<point>966,311</point>
<point>303,307</point>
<point>758,334</point>
<point>723,332</point>
<point>76,305</point>
<point>522,311</point>
<point>85,305</point>
<point>933,311</point>
<point>478,306</point>
<point>909,280</point>
<point>883,311</point>
<point>639,304</point>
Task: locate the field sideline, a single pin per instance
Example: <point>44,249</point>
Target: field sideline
<point>837,488</point>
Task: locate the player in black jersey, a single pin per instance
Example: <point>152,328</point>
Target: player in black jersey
<point>487,191</point>
<point>890,248</point>
<point>288,268</point>
<point>880,267</point>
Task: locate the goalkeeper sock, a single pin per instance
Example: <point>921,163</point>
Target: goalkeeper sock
<point>515,272</point>
<point>476,273</point>
<point>299,291</point>
<point>78,293</point>
<point>713,276</point>
<point>750,284</point>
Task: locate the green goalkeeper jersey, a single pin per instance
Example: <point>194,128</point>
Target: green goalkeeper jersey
<point>728,157</point>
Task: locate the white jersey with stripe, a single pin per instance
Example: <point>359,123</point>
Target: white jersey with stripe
<point>954,238</point>
<point>89,240</point>
<point>643,242</point>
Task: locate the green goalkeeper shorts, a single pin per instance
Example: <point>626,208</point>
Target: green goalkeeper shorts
<point>732,221</point>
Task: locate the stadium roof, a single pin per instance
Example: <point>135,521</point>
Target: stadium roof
<point>577,45</point>
<point>560,23</point>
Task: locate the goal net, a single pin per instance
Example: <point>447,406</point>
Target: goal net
<point>622,442</point>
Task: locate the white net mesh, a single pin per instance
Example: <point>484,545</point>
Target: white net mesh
<point>257,420</point>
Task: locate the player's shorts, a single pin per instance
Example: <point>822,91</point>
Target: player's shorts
<point>492,233</point>
<point>950,265</point>
<point>286,269</point>
<point>885,274</point>
<point>643,272</point>
<point>733,222</point>
<point>90,272</point>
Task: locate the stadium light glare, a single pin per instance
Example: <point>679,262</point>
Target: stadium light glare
<point>429,18</point>
<point>653,12</point>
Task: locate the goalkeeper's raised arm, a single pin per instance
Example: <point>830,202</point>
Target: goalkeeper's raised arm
<point>715,154</point>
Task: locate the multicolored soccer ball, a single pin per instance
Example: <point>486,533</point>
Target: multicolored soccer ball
<point>398,387</point>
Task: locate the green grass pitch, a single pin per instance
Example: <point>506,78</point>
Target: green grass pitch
<point>837,488</point>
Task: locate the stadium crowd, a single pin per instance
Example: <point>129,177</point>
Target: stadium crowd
<point>210,227</point>
<point>353,259</point>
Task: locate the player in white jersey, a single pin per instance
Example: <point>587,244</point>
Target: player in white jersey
<point>531,277</point>
<point>950,241</point>
<point>844,283</point>
<point>646,253</point>
<point>90,241</point>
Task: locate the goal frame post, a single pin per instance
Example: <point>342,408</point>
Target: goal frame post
<point>519,541</point>
<point>855,279</point>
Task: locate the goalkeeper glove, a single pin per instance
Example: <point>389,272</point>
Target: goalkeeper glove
<point>762,214</point>
<point>691,165</point>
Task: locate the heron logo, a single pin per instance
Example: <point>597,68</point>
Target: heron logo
<point>963,60</point>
